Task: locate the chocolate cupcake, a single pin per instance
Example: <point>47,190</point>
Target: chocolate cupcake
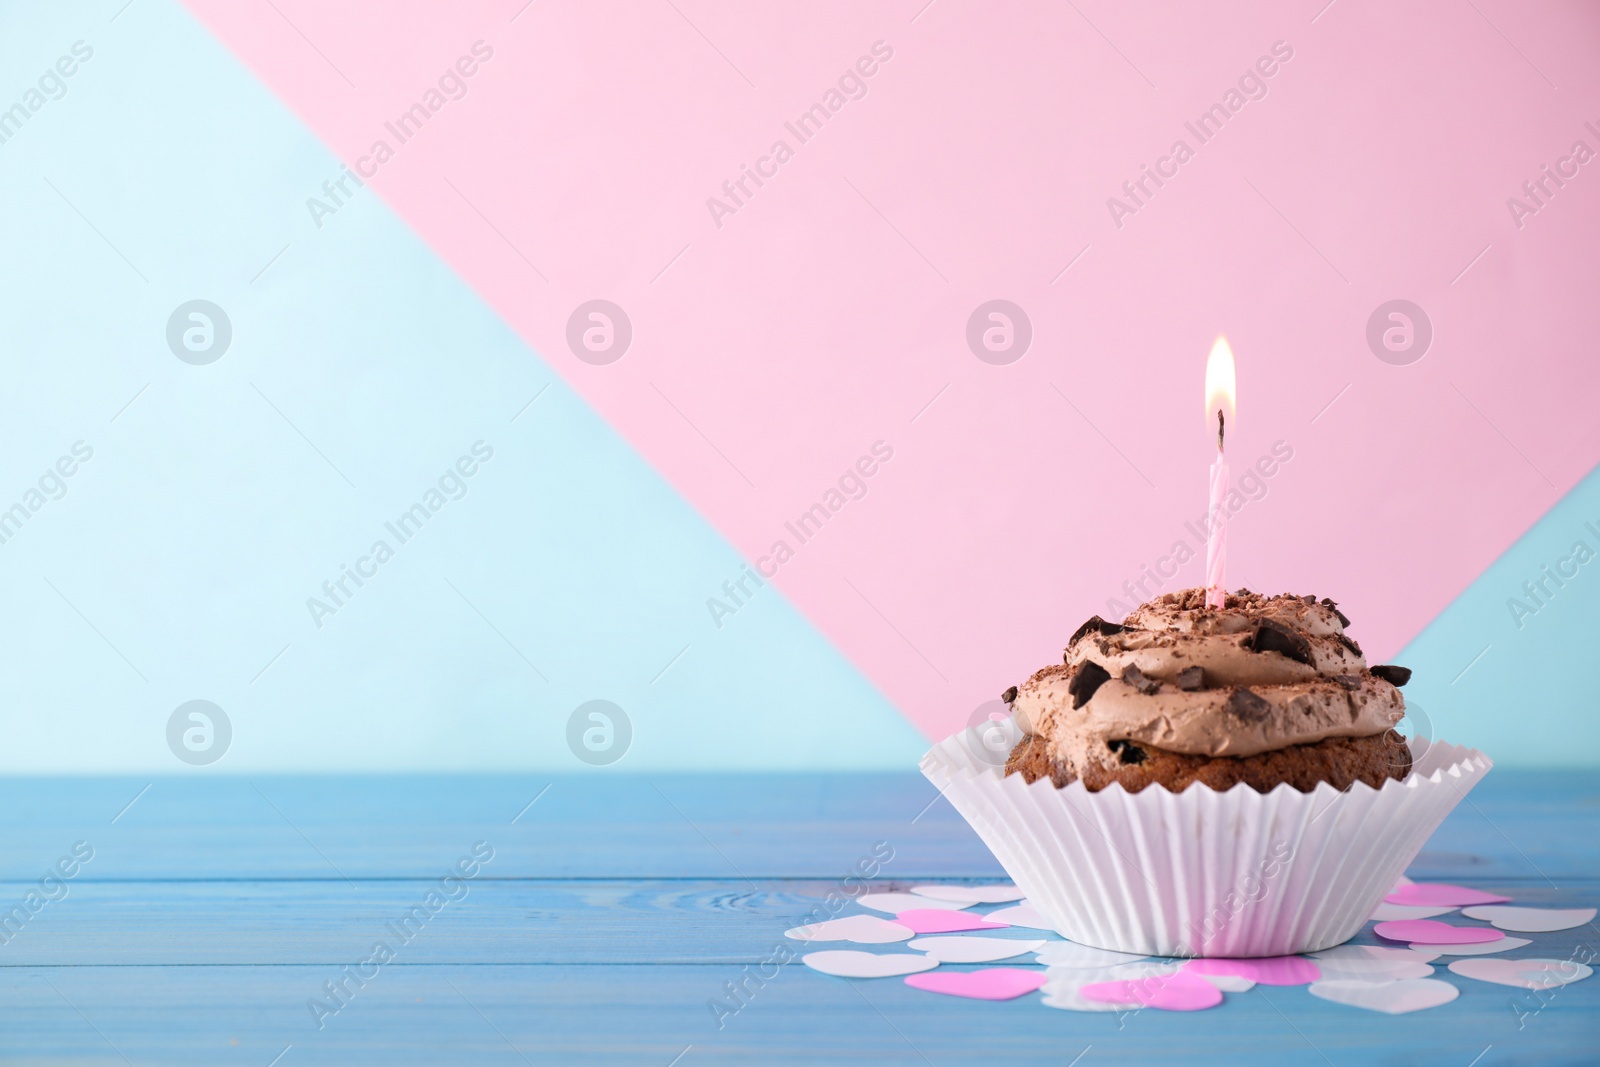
<point>1197,782</point>
<point>1266,691</point>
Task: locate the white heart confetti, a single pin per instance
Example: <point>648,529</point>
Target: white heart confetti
<point>1389,912</point>
<point>1391,998</point>
<point>862,929</point>
<point>849,963</point>
<point>1072,954</point>
<point>1355,969</point>
<point>1527,974</point>
<point>1503,945</point>
<point>1230,983</point>
<point>1530,920</point>
<point>959,949</point>
<point>1416,953</point>
<point>971,894</point>
<point>895,903</point>
<point>1021,915</point>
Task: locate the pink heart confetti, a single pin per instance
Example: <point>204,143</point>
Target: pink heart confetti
<point>1439,895</point>
<point>1172,992</point>
<point>937,921</point>
<point>1268,970</point>
<point>1433,932</point>
<point>991,983</point>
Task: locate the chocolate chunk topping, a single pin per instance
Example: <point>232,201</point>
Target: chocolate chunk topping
<point>1349,681</point>
<point>1140,680</point>
<point>1271,637</point>
<point>1351,645</point>
<point>1331,606</point>
<point>1009,695</point>
<point>1243,704</point>
<point>1089,677</point>
<point>1395,676</point>
<point>1190,678</point>
<point>1309,598</point>
<point>1127,751</point>
<point>1097,625</point>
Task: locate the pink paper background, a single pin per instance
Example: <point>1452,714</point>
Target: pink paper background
<point>829,311</point>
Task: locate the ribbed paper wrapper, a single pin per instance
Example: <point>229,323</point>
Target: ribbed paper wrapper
<point>1203,872</point>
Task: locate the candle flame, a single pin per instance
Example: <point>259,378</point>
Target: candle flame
<point>1220,385</point>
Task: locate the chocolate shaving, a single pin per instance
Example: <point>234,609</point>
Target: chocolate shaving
<point>1089,677</point>
<point>1189,679</point>
<point>1139,680</point>
<point>1351,645</point>
<point>1271,637</point>
<point>1096,624</point>
<point>1009,695</point>
<point>1246,705</point>
<point>1349,681</point>
<point>1126,751</point>
<point>1331,606</point>
<point>1395,676</point>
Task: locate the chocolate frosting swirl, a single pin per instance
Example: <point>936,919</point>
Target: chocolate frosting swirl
<point>1260,674</point>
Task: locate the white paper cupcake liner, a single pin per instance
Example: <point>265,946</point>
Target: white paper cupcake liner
<point>1202,872</point>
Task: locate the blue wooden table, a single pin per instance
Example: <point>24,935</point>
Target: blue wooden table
<point>216,912</point>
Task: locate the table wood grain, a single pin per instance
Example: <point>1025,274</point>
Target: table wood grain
<point>614,910</point>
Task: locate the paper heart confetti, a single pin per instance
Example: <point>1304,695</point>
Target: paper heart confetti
<point>894,903</point>
<point>992,983</point>
<point>1069,998</point>
<point>1416,953</point>
<point>973,949</point>
<point>1528,974</point>
<point>978,894</point>
<point>1432,932</point>
<point>1438,894</point>
<point>1390,912</point>
<point>850,963</point>
<point>1171,992</point>
<point>1359,969</point>
<point>1230,983</point>
<point>1503,945</point>
<point>1392,998</point>
<point>1270,970</point>
<point>1531,920</point>
<point>1072,954</point>
<point>1021,915</point>
<point>862,929</point>
<point>937,921</point>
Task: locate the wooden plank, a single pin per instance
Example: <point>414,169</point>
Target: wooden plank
<point>599,825</point>
<point>621,921</point>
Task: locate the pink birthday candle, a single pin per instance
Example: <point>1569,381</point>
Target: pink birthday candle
<point>1220,401</point>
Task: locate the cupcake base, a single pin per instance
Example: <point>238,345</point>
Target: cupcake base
<point>1338,761</point>
<point>1204,872</point>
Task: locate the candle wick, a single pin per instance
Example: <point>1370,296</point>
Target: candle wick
<point>1219,429</point>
